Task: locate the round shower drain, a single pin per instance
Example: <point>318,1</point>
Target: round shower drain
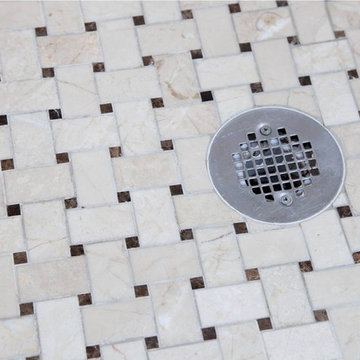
<point>276,165</point>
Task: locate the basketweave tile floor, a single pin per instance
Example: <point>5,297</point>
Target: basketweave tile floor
<point>113,243</point>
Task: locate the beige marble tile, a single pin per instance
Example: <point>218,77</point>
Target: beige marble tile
<point>175,313</point>
<point>60,329</point>
<point>161,11</point>
<point>145,171</point>
<point>229,304</point>
<point>177,78</point>
<point>11,234</point>
<point>2,196</point>
<point>344,15</point>
<point>353,37</point>
<point>198,4</point>
<point>45,229</point>
<point>68,49</point>
<point>227,71</point>
<point>187,120</point>
<point>220,256</point>
<point>352,184</point>
<point>137,128</point>
<point>31,136</point>
<point>5,141</point>
<point>53,279</point>
<point>118,321</point>
<point>257,5</point>
<point>351,226</point>
<point>355,85</point>
<point>155,217</point>
<point>168,262</point>
<point>18,55</point>
<point>124,351</point>
<point>101,223</point>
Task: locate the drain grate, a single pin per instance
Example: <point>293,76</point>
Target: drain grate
<point>276,165</point>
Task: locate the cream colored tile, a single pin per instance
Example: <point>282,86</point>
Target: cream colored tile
<point>85,133</point>
<point>155,217</point>
<point>60,329</point>
<point>326,241</point>
<point>203,209</point>
<point>177,78</point>
<point>161,11</point>
<point>311,342</point>
<point>126,52</point>
<point>77,91</point>
<point>276,66</point>
<point>273,247</point>
<point>11,234</point>
<point>344,15</point>
<point>352,184</point>
<point>2,197</point>
<point>175,313</point>
<point>324,57</point>
<point>351,226</point>
<point>9,305</point>
<point>18,55</point>
<point>173,37</point>
<point>124,351</point>
<point>100,224</point>
<point>198,4</point>
<point>192,160</point>
<point>257,5</point>
<point>241,341</point>
<point>93,187</point>
<point>137,128</point>
<point>145,171</point>
<point>127,85</point>
<point>220,256</point>
<point>229,304</point>
<point>18,337</point>
<point>168,262</point>
<point>227,71</point>
<point>118,321</point>
<point>53,279</point>
<point>335,99</point>
<point>263,24</point>
<point>45,229</point>
<point>353,37</point>
<point>68,49</point>
<point>5,141</point>
<point>188,120</point>
<point>216,31</point>
<point>31,135</point>
<point>355,85</point>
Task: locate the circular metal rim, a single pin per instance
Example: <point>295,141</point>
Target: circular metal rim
<point>341,185</point>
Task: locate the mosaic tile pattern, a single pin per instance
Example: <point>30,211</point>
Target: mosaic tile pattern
<point>113,244</point>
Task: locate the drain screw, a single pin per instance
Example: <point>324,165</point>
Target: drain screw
<point>286,200</point>
<point>265,130</point>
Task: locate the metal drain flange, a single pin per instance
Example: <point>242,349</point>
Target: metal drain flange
<point>276,165</point>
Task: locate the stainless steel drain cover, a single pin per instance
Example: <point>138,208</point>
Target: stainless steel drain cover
<point>276,165</point>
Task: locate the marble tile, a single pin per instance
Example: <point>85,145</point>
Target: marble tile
<point>352,184</point>
<point>353,37</point>
<point>161,11</point>
<point>344,14</point>
<point>227,71</point>
<point>311,342</point>
<point>53,279</point>
<point>175,313</point>
<point>155,217</point>
<point>11,234</point>
<point>124,351</point>
<point>257,5</point>
<point>118,321</point>
<point>2,196</point>
<point>216,31</point>
<point>198,4</point>
<point>100,224</point>
<point>31,136</point>
<point>58,338</point>
<point>45,229</point>
<point>187,120</point>
<point>6,143</point>
<point>229,304</point>
<point>137,128</point>
<point>351,226</point>
<point>168,262</point>
<point>126,52</point>
<point>177,78</point>
<point>355,85</point>
<point>220,256</point>
<point>145,171</point>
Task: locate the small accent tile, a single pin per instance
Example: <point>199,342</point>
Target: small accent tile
<point>157,103</point>
<point>106,108</point>
<point>98,67</point>
<point>245,47</point>
<point>115,151</point>
<point>3,120</point>
<point>293,40</point>
<point>33,358</point>
<point>84,299</point>
<point>264,324</point>
<point>76,250</point>
<point>240,228</point>
<point>62,158</point>
<point>176,190</point>
<point>141,290</point>
<point>197,283</point>
<point>196,54</point>
<point>132,242</point>
<point>353,74</point>
<point>321,315</point>
<point>187,14</point>
<point>152,342</point>
<point>167,145</point>
<point>13,210</point>
<point>234,8</point>
<point>55,114</point>
<point>20,258</point>
<point>344,211</point>
<point>356,257</point>
<point>281,3</point>
<point>123,196</point>
<point>209,333</point>
<point>90,26</point>
<point>206,96</point>
<point>339,34</point>
<point>7,164</point>
<point>26,309</point>
<point>186,234</point>
<point>305,266</point>
<point>138,20</point>
<point>48,72</point>
<point>93,351</point>
<point>256,87</point>
<point>71,203</point>
<point>304,80</point>
<point>41,31</point>
<point>148,60</point>
<point>252,274</point>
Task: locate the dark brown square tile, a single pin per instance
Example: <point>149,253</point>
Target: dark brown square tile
<point>304,80</point>
<point>167,145</point>
<point>344,211</point>
<point>55,114</point>
<point>157,103</point>
<point>139,20</point>
<point>33,358</point>
<point>206,96</point>
<point>176,190</point>
<point>281,3</point>
<point>186,234</point>
<point>93,351</point>
<point>152,342</point>
<point>197,283</point>
<point>234,8</point>
<point>356,257</point>
<point>90,26</point>
<point>148,60</point>
<point>252,274</point>
<point>26,309</point>
<point>196,54</point>
<point>256,87</point>
<point>305,266</point>
<point>293,40</point>
<point>141,290</point>
<point>245,47</point>
<point>264,324</point>
<point>187,14</point>
<point>76,250</point>
<point>321,315</point>
<point>7,164</point>
<point>132,242</point>
<point>71,203</point>
<point>106,108</point>
<point>353,74</point>
<point>48,72</point>
<point>240,228</point>
<point>123,196</point>
<point>84,299</point>
<point>209,333</point>
<point>98,67</point>
<point>115,151</point>
<point>20,258</point>
<point>62,158</point>
<point>41,31</point>
<point>3,120</point>
<point>13,210</point>
<point>339,34</point>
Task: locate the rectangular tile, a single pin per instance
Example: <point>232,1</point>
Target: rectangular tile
<point>118,321</point>
<point>2,195</point>
<point>6,143</point>
<point>349,137</point>
<point>352,183</point>
<point>11,234</point>
<point>38,184</point>
<point>168,262</point>
<point>100,224</point>
<point>351,226</point>
<point>128,350</point>
<point>342,15</point>
<point>257,5</point>
<point>58,339</point>
<point>353,37</point>
<point>229,304</point>
<point>161,11</point>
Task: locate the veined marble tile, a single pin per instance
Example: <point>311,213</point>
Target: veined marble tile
<point>257,5</point>
<point>344,15</point>
<point>351,226</point>
<point>60,329</point>
<point>124,351</point>
<point>161,11</point>
<point>11,234</point>
<point>229,304</point>
<point>137,128</point>
<point>68,49</point>
<point>5,141</point>
<point>352,184</point>
<point>177,78</point>
<point>187,120</point>
<point>354,40</point>
<point>101,223</point>
<point>118,321</point>
<point>175,313</point>
<point>53,279</point>
<point>168,262</point>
